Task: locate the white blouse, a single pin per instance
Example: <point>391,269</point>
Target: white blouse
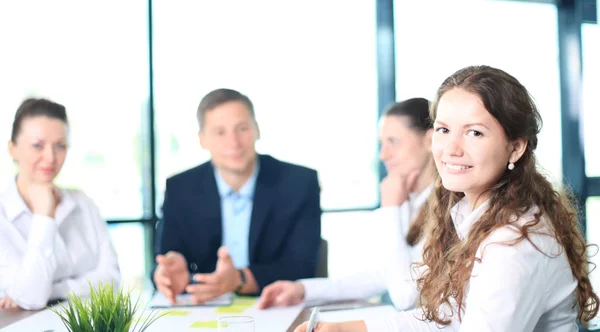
<point>513,288</point>
<point>395,276</point>
<point>44,259</point>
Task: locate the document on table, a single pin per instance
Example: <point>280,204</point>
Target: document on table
<point>185,300</point>
<point>378,312</point>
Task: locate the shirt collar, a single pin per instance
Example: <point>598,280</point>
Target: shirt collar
<point>247,190</point>
<point>464,217</point>
<point>14,205</point>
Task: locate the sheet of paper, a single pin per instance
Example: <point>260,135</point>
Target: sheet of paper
<point>380,312</point>
<point>274,319</point>
<point>185,300</point>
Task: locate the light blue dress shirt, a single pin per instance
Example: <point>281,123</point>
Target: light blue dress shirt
<point>236,214</point>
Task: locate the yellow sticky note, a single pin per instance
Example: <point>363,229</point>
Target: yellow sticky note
<point>230,310</point>
<point>243,303</point>
<point>177,313</point>
<point>244,298</point>
<point>209,324</point>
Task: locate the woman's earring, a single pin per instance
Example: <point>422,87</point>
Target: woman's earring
<point>511,166</point>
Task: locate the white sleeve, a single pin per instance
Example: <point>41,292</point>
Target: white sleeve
<point>395,279</point>
<point>399,278</point>
<point>29,281</point>
<point>394,275</point>
<point>401,281</point>
<point>357,286</point>
<point>107,269</point>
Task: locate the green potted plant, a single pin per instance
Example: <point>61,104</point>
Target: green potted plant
<point>105,310</point>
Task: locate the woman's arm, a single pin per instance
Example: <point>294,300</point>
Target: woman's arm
<point>393,275</point>
<point>28,281</point>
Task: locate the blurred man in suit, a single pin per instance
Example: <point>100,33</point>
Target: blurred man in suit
<point>240,221</point>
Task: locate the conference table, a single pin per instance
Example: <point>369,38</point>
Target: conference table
<point>11,316</point>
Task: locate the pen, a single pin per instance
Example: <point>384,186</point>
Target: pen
<point>312,321</point>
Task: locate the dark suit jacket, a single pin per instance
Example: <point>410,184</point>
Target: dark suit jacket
<point>285,227</point>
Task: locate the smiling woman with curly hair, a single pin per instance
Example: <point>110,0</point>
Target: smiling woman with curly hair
<point>504,251</point>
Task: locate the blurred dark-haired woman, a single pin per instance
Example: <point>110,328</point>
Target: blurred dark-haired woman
<point>53,241</point>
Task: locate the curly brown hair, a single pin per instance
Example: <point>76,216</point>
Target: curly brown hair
<point>447,259</point>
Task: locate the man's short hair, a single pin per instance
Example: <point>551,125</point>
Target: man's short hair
<point>219,97</point>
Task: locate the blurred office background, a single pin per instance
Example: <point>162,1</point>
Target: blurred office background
<point>131,74</point>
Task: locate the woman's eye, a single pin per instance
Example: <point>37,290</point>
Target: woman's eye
<point>475,133</point>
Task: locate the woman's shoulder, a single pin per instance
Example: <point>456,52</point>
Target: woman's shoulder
<point>526,232</point>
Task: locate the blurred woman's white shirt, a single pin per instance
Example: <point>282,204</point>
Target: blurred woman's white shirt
<point>43,259</point>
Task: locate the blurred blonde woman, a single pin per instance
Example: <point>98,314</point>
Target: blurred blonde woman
<point>405,137</point>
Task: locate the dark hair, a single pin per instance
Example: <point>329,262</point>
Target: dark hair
<point>33,107</point>
<point>417,111</point>
<point>219,97</point>
<point>449,260</point>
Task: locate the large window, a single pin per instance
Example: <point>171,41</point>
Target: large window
<point>308,66</point>
<point>99,71</point>
<point>310,69</point>
<point>93,58</point>
<point>434,38</point>
<point>129,242</point>
<point>359,246</point>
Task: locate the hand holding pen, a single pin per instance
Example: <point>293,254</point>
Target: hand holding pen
<point>312,321</point>
<point>313,326</point>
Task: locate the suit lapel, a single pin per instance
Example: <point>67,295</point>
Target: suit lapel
<point>207,206</point>
<point>261,206</point>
